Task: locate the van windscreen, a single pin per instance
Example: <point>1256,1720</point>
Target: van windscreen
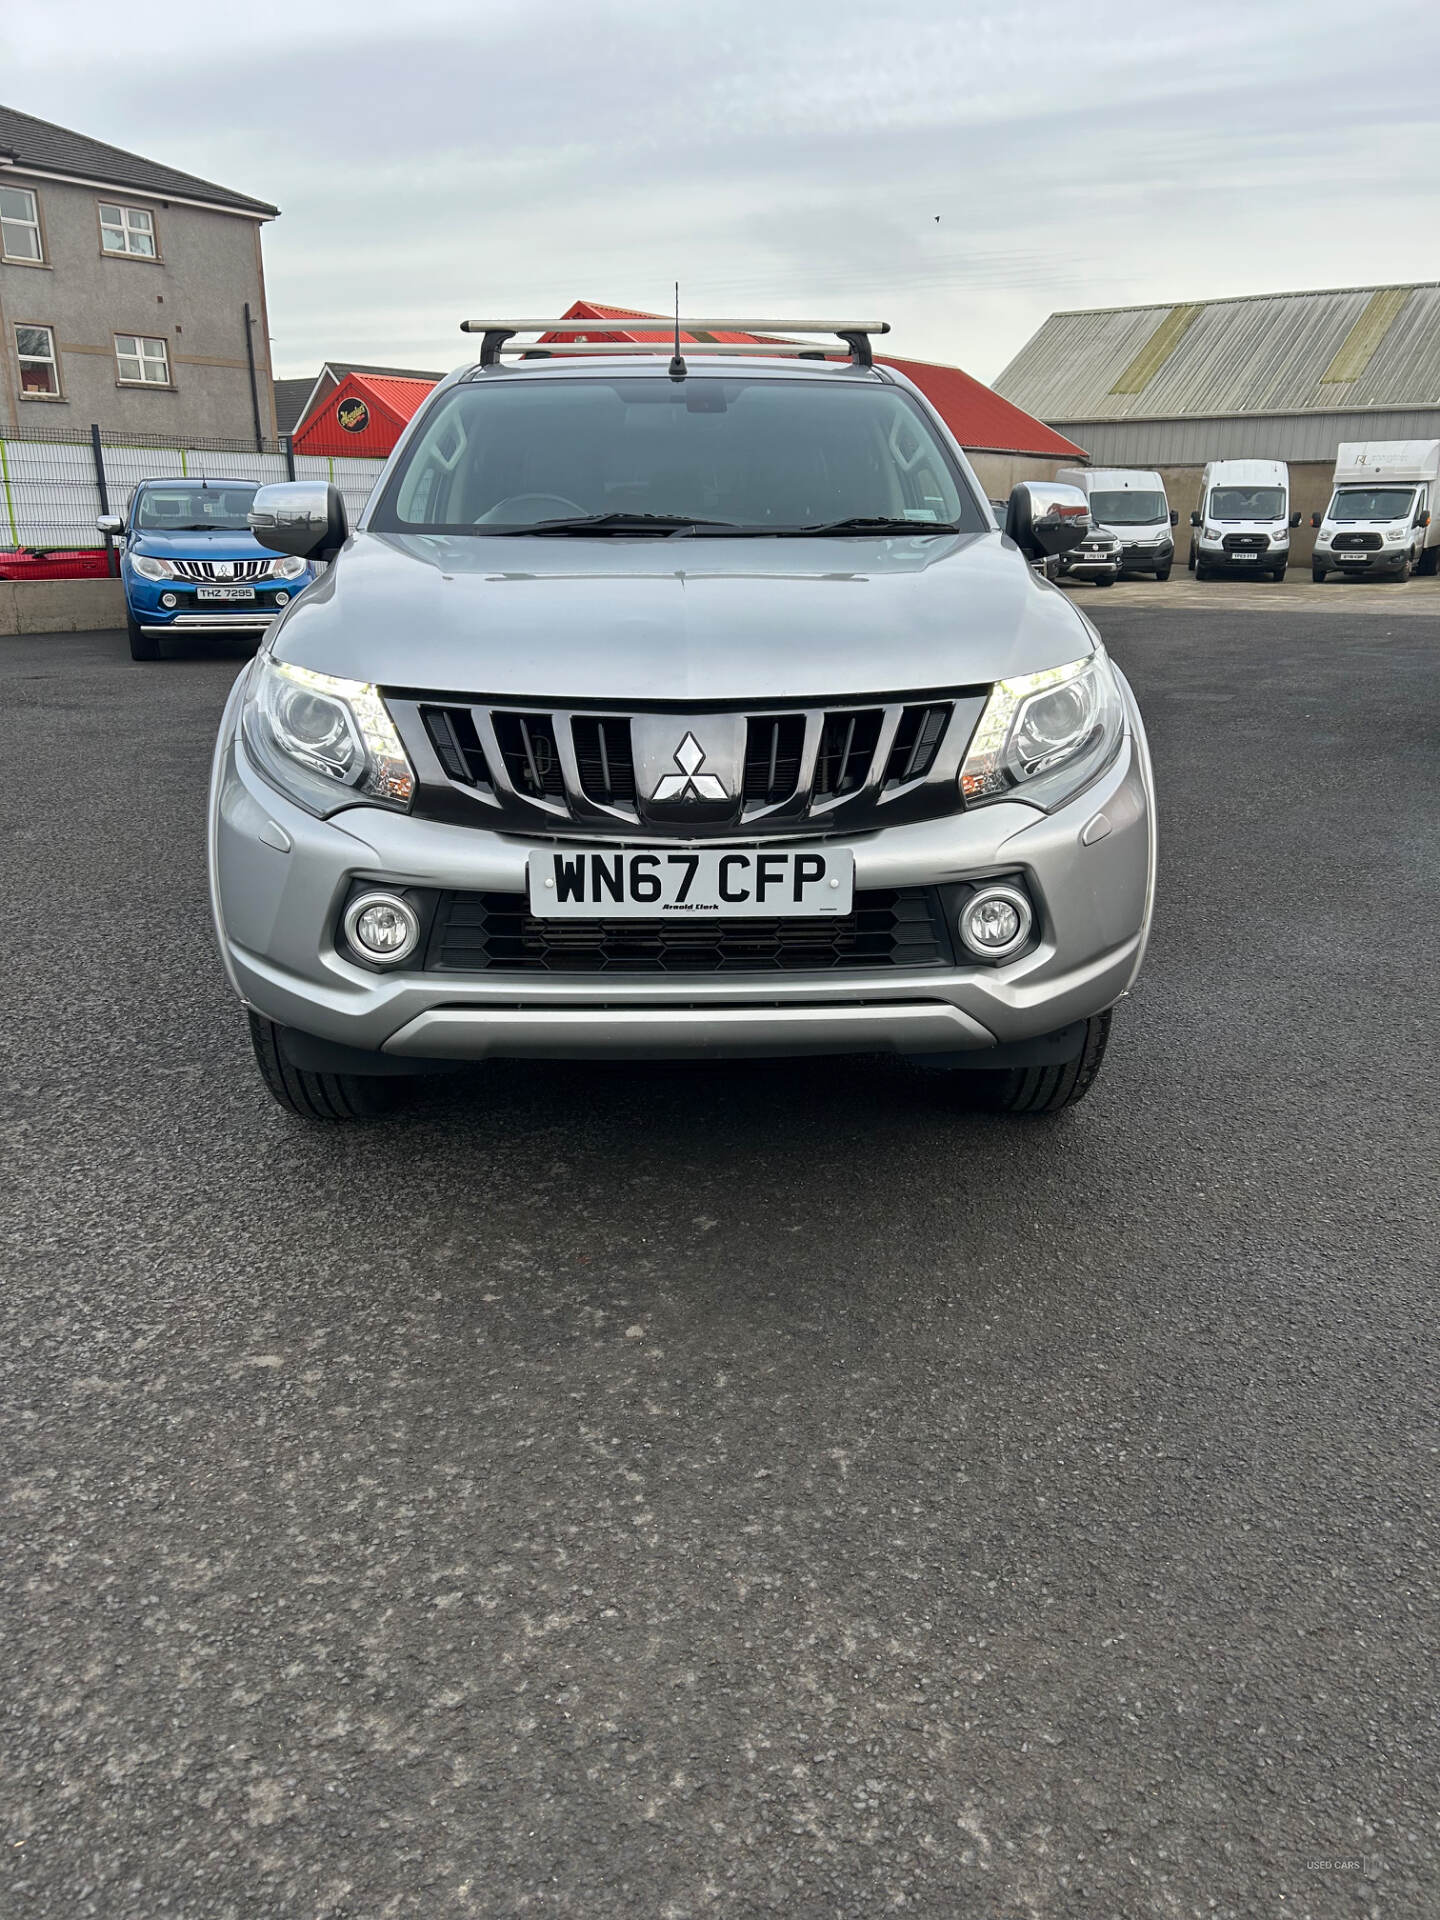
<point>1128,509</point>
<point>1247,503</point>
<point>1372,503</point>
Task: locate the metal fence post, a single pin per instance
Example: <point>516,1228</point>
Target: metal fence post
<point>98,454</point>
<point>287,445</point>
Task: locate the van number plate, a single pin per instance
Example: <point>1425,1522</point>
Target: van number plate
<point>224,593</point>
<point>739,883</point>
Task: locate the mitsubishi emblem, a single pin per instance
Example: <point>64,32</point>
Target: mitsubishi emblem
<point>224,569</point>
<point>689,783</point>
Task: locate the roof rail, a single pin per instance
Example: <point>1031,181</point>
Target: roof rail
<point>498,335</point>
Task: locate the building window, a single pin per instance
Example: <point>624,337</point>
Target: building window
<point>35,350</point>
<point>19,225</point>
<point>127,230</point>
<point>141,362</point>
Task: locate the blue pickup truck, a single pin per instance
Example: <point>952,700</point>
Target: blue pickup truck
<point>190,564</point>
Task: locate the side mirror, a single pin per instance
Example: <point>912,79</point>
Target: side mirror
<point>110,523</point>
<point>1174,517</point>
<point>1045,518</point>
<point>1294,519</point>
<point>1315,519</point>
<point>1423,521</point>
<point>303,517</point>
<point>1194,519</point>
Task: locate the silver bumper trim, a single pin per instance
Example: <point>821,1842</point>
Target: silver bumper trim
<point>694,1033</point>
<point>216,623</point>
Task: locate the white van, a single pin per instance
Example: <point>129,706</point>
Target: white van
<point>1384,513</point>
<point>1243,522</point>
<point>1130,503</point>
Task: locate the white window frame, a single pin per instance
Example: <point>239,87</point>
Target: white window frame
<point>125,228</point>
<point>51,360</point>
<point>37,259</point>
<point>139,342</point>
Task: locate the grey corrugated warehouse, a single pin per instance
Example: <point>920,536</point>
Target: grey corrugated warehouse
<point>1288,375</point>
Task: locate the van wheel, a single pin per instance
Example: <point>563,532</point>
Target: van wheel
<point>1201,573</point>
<point>1278,573</point>
<point>143,646</point>
<point>316,1096</point>
<point>1162,573</point>
<point>1317,574</point>
<point>1429,561</point>
<point>1106,579</point>
<point>1404,572</point>
<point>1190,563</point>
<point>1035,1090</point>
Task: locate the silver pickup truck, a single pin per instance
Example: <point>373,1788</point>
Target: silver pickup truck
<point>680,702</point>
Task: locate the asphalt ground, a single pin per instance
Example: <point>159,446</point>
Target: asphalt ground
<point>746,1491</point>
<point>1296,593</point>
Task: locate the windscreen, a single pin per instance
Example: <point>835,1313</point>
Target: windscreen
<point>1372,503</point>
<point>734,455</point>
<point>188,508</point>
<point>1247,503</point>
<point>1129,509</point>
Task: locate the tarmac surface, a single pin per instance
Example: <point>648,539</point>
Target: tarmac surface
<point>762,1490</point>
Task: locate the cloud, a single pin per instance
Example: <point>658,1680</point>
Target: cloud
<point>453,156</point>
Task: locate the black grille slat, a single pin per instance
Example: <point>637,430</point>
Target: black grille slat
<point>605,759</point>
<point>917,741</point>
<point>1246,543</point>
<point>532,759</point>
<point>847,746</point>
<point>495,932</point>
<point>774,746</point>
<point>457,745</point>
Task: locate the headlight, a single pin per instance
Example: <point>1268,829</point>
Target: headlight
<point>149,569</point>
<point>1211,533</point>
<point>290,566</point>
<point>1280,539</point>
<point>1397,533</point>
<point>323,740</point>
<point>1045,735</point>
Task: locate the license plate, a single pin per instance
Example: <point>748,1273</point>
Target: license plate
<point>1353,559</point>
<point>1242,556</point>
<point>721,882</point>
<point>224,593</point>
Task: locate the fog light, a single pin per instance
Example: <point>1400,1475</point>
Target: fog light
<point>282,599</point>
<point>383,927</point>
<point>169,600</point>
<point>996,921</point>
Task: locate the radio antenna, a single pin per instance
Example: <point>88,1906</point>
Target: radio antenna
<point>677,362</point>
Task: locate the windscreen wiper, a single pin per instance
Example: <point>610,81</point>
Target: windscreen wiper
<point>622,523</point>
<point>878,523</point>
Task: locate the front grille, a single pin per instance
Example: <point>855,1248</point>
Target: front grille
<point>496,932</point>
<point>852,764</point>
<point>1246,543</point>
<point>1357,542</point>
<point>237,571</point>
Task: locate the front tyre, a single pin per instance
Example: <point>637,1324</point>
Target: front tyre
<point>143,646</point>
<point>1162,573</point>
<point>315,1096</point>
<point>1036,1090</point>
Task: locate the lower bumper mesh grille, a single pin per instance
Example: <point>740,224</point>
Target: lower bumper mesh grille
<point>495,932</point>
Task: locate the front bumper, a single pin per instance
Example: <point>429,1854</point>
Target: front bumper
<point>279,877</point>
<point>1137,559</point>
<point>1386,560</point>
<point>1219,561</point>
<point>191,614</point>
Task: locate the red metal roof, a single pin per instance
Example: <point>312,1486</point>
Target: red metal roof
<point>382,404</point>
<point>400,397</point>
<point>978,417</point>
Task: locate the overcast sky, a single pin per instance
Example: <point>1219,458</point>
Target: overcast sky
<point>436,159</point>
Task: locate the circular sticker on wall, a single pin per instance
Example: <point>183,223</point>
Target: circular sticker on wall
<point>353,415</point>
